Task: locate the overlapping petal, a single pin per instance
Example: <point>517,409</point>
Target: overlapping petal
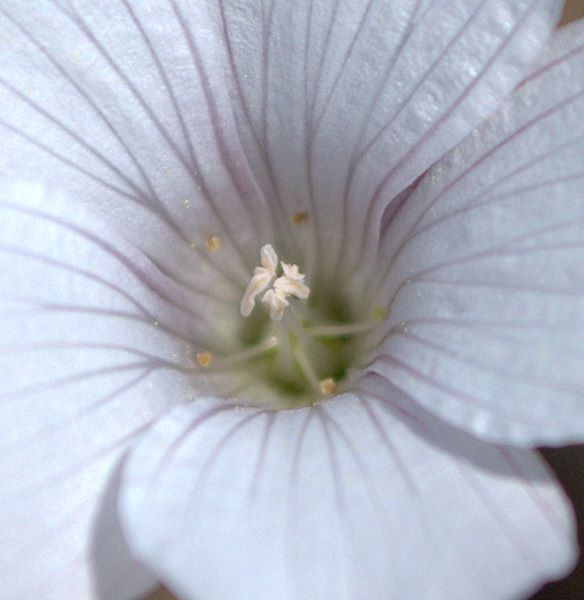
<point>357,498</point>
<point>342,104</point>
<point>339,105</point>
<point>484,261</point>
<point>89,356</point>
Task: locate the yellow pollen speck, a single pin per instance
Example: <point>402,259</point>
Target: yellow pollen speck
<point>204,359</point>
<point>300,217</point>
<point>193,245</point>
<point>328,387</point>
<point>379,313</point>
<point>213,243</point>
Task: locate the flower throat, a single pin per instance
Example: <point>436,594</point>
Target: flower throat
<point>299,346</point>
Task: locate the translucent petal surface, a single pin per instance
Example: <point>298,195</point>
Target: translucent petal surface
<point>358,498</point>
<point>124,105</point>
<point>485,265</point>
<point>345,102</point>
<point>85,368</point>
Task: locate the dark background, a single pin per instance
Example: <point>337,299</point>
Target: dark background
<point>566,462</point>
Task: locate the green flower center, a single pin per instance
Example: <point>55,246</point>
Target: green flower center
<point>299,345</point>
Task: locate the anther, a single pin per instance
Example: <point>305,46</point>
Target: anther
<point>299,217</point>
<point>328,387</point>
<point>204,359</point>
<point>213,243</point>
<point>227,362</point>
<point>379,313</point>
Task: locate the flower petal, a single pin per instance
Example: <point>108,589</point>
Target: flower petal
<point>346,102</point>
<point>357,498</point>
<point>124,105</point>
<point>487,317</point>
<point>85,368</point>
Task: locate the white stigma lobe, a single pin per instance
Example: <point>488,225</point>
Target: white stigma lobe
<point>261,279</point>
<point>277,304</point>
<point>291,283</point>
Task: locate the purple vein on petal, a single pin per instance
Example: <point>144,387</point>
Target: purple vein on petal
<point>336,470</point>
<point>462,397</point>
<point>501,518</point>
<point>275,208</point>
<point>535,122</point>
<point>183,438</point>
<point>376,502</point>
<point>571,53</point>
<point>73,135</point>
<point>59,382</point>
<point>391,447</point>
<point>78,271</point>
<point>196,490</point>
<point>263,450</point>
<point>85,411</point>
<point>94,106</point>
<point>191,169</point>
<point>502,373</point>
<point>101,453</point>
<point>546,508</point>
<point>117,255</point>
<point>216,120</point>
<point>372,208</point>
<point>355,160</point>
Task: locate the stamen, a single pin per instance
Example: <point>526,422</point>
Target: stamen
<point>306,367</point>
<point>204,359</point>
<point>299,217</point>
<point>341,330</point>
<point>297,366</point>
<point>380,313</point>
<point>328,387</point>
<point>302,359</point>
<point>213,243</point>
<point>245,355</point>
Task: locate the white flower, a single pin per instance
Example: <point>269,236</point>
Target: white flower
<point>374,442</point>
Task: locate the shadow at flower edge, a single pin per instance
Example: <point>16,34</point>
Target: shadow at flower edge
<point>455,442</point>
<point>116,573</point>
<point>567,465</point>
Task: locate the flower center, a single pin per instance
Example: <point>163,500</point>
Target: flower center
<point>299,345</point>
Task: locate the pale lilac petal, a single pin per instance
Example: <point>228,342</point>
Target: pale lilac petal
<point>357,498</point>
<point>89,357</point>
<point>485,266</point>
<point>124,105</point>
<point>343,103</point>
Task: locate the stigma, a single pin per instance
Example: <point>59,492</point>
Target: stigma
<point>276,290</point>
